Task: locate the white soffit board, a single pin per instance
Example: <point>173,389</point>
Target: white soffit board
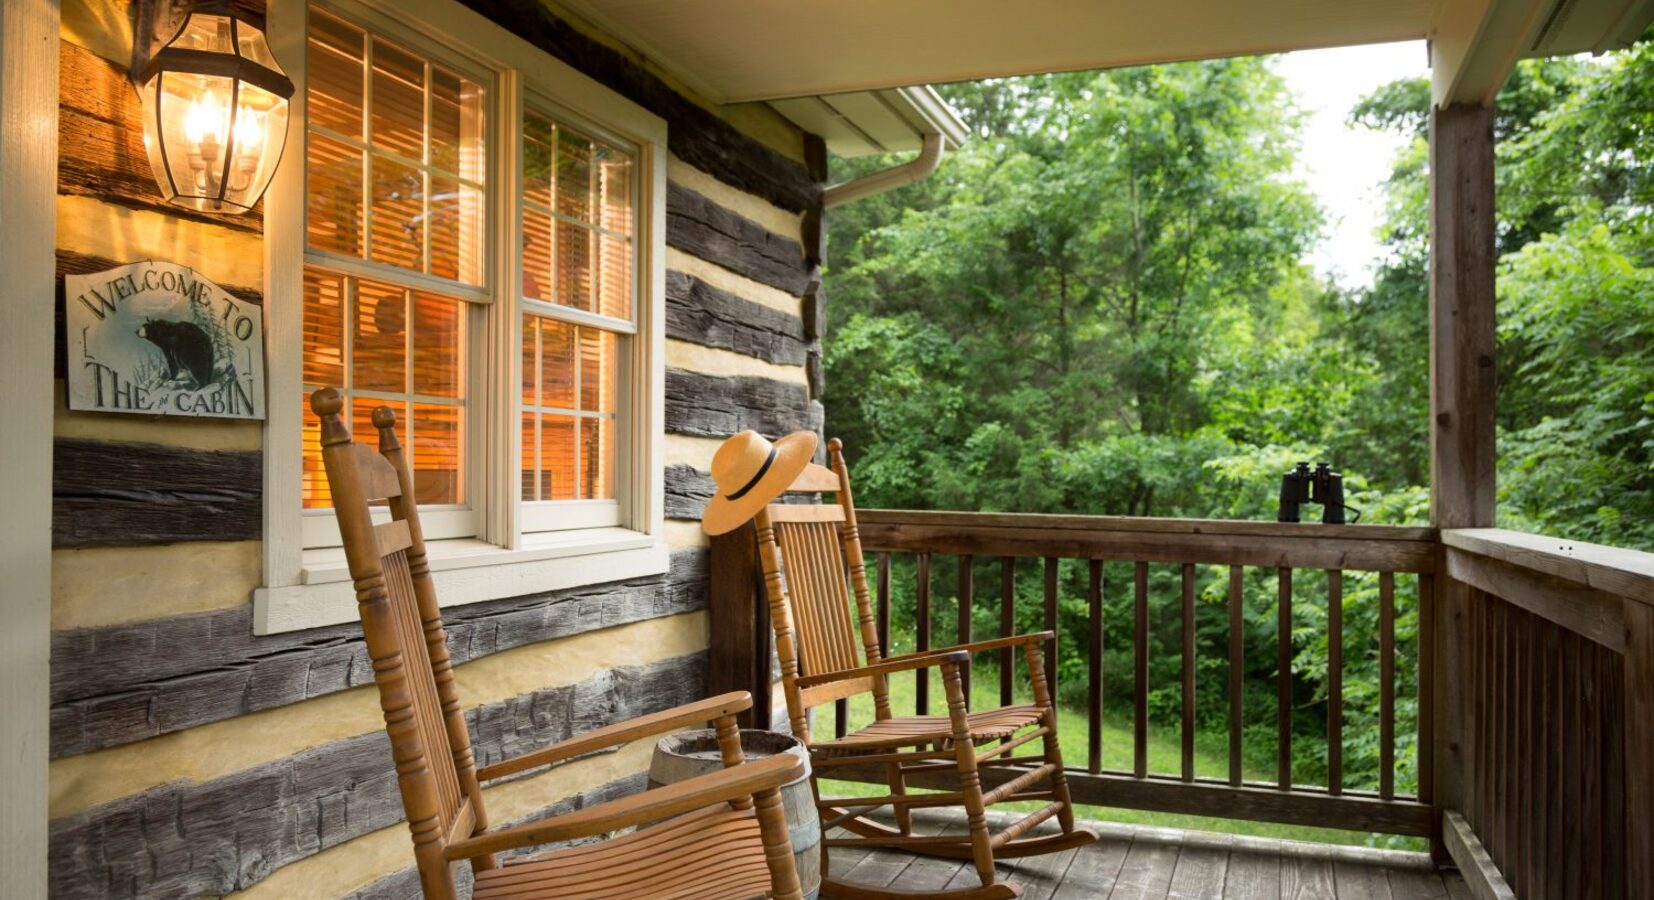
<point>741,50</point>
<point>865,123</point>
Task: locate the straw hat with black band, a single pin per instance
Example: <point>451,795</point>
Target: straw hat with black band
<point>749,472</point>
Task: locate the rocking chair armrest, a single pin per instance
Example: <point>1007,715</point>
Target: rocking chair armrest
<point>1014,640</point>
<point>622,732</point>
<point>724,785</point>
<point>886,667</point>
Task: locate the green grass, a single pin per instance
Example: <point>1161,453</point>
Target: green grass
<point>1165,756</point>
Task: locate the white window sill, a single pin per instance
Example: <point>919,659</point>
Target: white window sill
<point>468,571</point>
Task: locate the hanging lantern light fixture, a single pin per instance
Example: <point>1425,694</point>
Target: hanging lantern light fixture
<point>215,110</point>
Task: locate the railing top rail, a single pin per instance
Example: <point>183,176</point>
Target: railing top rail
<point>1302,530</point>
<point>1614,570</point>
<point>1360,547</point>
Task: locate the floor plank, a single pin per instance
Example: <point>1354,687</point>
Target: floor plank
<point>1254,871</point>
<point>1306,873</point>
<point>928,873</point>
<point>1416,884</point>
<point>1360,881</point>
<point>1147,871</point>
<point>1201,869</point>
<point>1095,869</point>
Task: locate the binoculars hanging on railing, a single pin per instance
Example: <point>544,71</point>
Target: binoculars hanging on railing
<point>1323,486</point>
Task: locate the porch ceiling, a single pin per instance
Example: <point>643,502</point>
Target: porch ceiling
<point>739,50</point>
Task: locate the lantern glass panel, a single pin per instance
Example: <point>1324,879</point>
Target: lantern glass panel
<point>211,34</point>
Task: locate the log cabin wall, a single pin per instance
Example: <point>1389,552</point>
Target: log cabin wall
<point>192,758</point>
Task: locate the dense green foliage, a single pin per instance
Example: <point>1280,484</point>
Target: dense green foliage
<point>1101,305</point>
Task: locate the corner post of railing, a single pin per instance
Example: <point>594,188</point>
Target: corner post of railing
<point>740,647</point>
<point>1639,748</point>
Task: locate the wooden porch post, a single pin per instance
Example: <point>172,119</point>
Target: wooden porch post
<point>740,646</point>
<point>1462,395</point>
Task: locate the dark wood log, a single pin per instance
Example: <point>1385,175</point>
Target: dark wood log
<point>719,406</point>
<point>815,309</point>
<point>699,226</point>
<point>72,263</point>
<point>695,134</point>
<point>211,838</point>
<point>688,490</point>
<point>124,683</point>
<point>702,314</point>
<point>107,494</point>
<point>101,141</point>
<point>740,653</point>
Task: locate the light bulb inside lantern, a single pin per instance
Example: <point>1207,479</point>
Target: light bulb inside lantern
<point>204,121</point>
<point>249,129</point>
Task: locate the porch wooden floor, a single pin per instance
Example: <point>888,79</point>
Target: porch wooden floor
<point>1133,861</point>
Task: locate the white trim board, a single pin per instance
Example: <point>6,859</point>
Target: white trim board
<point>28,230</point>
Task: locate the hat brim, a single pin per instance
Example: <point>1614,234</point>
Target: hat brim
<point>792,454</point>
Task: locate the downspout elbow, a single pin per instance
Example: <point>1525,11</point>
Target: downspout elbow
<point>917,169</point>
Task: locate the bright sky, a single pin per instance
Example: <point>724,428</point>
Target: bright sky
<point>1345,165</point>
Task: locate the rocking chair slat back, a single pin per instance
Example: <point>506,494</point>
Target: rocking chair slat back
<point>820,595</point>
<point>815,575</point>
<point>402,627</point>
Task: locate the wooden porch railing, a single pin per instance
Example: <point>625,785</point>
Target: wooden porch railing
<point>1555,691</point>
<point>1534,670</point>
<point>1185,545</point>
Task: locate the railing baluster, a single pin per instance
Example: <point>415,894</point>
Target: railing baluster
<point>841,712</point>
<point>1387,685</point>
<point>1426,662</point>
<point>1140,685</point>
<point>1283,682</point>
<point>1094,705</point>
<point>921,698</point>
<point>1335,682</point>
<point>1237,670</point>
<point>964,627</point>
<point>884,604</point>
<point>1007,624</point>
<point>1188,660</point>
<point>1051,625</point>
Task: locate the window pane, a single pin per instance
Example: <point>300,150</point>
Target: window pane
<point>333,201</point>
<point>597,370</point>
<point>556,364</point>
<point>426,125</point>
<point>614,277</point>
<point>574,175</point>
<point>531,458</point>
<point>574,265</point>
<point>455,219</point>
<point>539,135</point>
<point>379,356</point>
<point>614,189</point>
<point>557,466</point>
<point>334,76</point>
<point>456,124</point>
<point>398,101</point>
<point>531,363</point>
<point>324,324</point>
<point>398,195</point>
<point>536,254</point>
<point>597,459</point>
<point>437,460</point>
<point>313,482</point>
<point>439,345</point>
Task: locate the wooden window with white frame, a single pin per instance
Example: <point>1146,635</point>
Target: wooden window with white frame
<point>475,237</point>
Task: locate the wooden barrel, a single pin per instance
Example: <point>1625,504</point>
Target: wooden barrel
<point>689,753</point>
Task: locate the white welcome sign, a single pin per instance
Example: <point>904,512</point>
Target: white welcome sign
<point>156,338</point>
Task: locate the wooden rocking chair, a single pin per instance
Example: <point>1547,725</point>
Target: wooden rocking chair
<point>804,551</point>
<point>724,833</point>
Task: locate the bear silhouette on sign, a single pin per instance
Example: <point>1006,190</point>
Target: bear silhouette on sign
<point>188,351</point>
